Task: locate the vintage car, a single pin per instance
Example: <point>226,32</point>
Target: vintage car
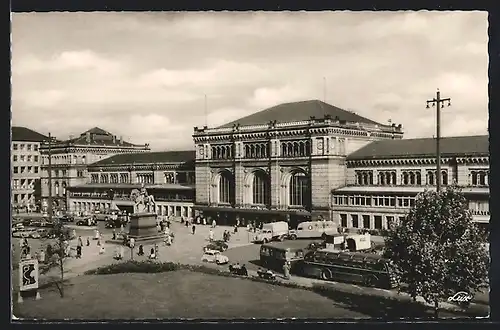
<point>215,257</point>
<point>86,222</point>
<point>24,233</point>
<point>34,234</point>
<point>220,246</point>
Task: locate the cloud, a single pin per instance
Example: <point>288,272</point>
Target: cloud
<point>220,74</point>
<point>266,97</point>
<point>144,75</point>
<point>68,60</point>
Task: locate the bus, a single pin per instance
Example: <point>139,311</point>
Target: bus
<point>314,229</point>
<point>367,269</point>
<point>274,255</point>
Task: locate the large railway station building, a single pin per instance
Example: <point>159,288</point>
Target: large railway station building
<point>293,162</point>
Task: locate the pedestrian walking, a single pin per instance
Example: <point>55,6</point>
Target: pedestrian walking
<point>80,241</point>
<point>286,270</point>
<point>187,223</point>
<point>211,235</point>
<point>88,241</point>
<point>41,256</point>
<point>152,254</point>
<point>235,229</point>
<point>156,251</point>
<point>98,242</point>
<point>114,234</point>
<point>214,224</point>
<point>141,250</point>
<point>193,229</point>
<point>78,251</point>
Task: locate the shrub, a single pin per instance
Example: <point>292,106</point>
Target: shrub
<point>133,266</point>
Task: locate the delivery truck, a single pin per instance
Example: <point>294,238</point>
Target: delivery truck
<point>274,231</point>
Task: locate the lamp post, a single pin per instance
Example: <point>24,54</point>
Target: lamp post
<point>438,102</point>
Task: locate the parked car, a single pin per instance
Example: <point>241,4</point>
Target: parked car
<point>34,234</point>
<point>220,246</point>
<point>86,222</point>
<point>21,234</point>
<point>66,218</point>
<point>110,223</point>
<point>17,227</point>
<point>215,257</point>
<point>44,233</point>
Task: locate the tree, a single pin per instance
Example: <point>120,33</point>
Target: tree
<point>438,250</point>
<point>56,254</point>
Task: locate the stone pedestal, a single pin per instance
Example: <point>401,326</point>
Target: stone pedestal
<point>143,227</point>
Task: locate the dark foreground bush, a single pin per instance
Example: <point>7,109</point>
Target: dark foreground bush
<point>133,266</point>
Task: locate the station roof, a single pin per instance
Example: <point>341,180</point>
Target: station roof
<point>299,111</point>
<point>477,145</point>
<point>20,133</point>
<point>98,136</point>
<point>149,158</point>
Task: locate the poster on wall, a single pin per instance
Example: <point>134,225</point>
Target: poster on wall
<point>28,275</point>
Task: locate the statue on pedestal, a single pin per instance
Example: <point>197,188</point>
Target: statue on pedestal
<point>143,202</point>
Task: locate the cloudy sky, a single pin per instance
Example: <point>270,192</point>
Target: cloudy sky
<point>144,75</point>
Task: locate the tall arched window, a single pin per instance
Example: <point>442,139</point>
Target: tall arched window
<point>225,188</point>
<point>299,189</point>
<point>260,189</point>
<point>444,177</point>
<point>64,188</point>
<point>57,188</point>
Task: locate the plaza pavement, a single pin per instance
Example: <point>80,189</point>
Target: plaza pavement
<point>187,249</point>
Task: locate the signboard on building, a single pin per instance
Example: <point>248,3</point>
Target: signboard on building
<point>28,275</point>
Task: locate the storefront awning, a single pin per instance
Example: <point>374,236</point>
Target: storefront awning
<point>250,211</point>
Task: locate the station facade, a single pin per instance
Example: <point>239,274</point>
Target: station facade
<point>384,178</point>
<point>281,163</point>
<point>168,176</point>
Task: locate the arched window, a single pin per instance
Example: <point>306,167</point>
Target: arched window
<point>64,188</point>
<point>412,178</point>
<point>260,189</point>
<point>419,179</point>
<point>430,178</point>
<point>299,189</point>
<point>482,178</point>
<point>388,178</point>
<point>405,178</point>
<point>444,177</point>
<point>381,178</point>
<point>225,188</point>
<point>57,188</point>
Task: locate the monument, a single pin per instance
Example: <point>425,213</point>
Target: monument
<point>143,220</point>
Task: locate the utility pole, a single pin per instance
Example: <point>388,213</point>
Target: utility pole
<point>49,170</point>
<point>438,102</point>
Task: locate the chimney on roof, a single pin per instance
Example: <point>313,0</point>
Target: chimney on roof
<point>88,137</point>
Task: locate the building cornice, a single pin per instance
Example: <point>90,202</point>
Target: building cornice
<point>311,127</point>
<point>416,161</point>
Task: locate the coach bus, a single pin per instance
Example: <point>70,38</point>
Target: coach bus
<point>274,255</point>
<point>363,268</point>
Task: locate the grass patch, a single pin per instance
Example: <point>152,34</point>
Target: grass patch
<point>180,294</point>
